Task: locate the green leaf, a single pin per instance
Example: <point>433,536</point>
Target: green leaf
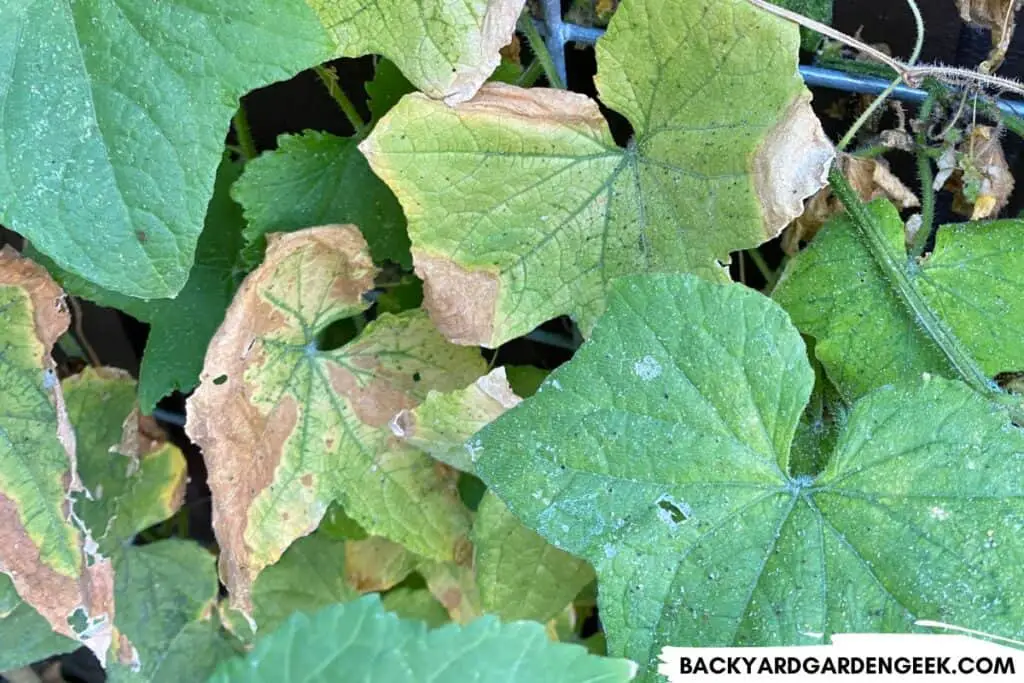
<point>840,293</point>
<point>447,49</point>
<point>180,328</point>
<point>443,423</point>
<point>375,645</point>
<point>166,592</point>
<point>519,574</point>
<point>40,549</point>
<point>523,199</point>
<point>819,10</point>
<point>288,427</point>
<point>114,116</point>
<point>661,454</point>
<point>26,636</point>
<point>386,89</point>
<point>309,576</point>
<point>131,481</point>
<point>415,603</point>
<point>319,179</point>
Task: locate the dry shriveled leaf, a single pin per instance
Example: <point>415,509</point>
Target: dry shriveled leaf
<point>1000,17</point>
<point>981,178</point>
<point>42,549</point>
<point>871,178</point>
<point>287,427</point>
<point>375,564</point>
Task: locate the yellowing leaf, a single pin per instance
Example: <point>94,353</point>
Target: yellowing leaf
<point>447,49</point>
<point>521,207</point>
<point>41,548</point>
<point>287,427</point>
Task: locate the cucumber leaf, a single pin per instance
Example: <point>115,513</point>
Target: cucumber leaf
<point>661,454</point>
<point>114,116</point>
<point>521,206</point>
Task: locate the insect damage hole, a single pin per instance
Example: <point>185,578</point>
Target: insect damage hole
<point>673,512</point>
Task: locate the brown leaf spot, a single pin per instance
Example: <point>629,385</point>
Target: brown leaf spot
<point>451,598</point>
<point>307,480</point>
<point>462,303</point>
<point>791,164</point>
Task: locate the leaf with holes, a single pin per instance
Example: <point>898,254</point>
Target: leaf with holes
<point>318,179</point>
<point>661,454</point>
<point>114,120</point>
<point>376,645</point>
<point>132,479</point>
<point>42,549</point>
<point>446,49</point>
<point>844,293</point>
<point>287,427</point>
<point>521,207</point>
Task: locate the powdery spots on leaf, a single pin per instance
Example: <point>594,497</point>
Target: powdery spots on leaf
<point>647,368</point>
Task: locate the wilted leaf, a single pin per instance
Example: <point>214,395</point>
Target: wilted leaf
<point>661,453</point>
<point>521,207</point>
<point>985,181</point>
<point>447,49</point>
<point>319,179</point>
<point>1000,17</point>
<point>376,645</point>
<point>287,427</point>
<point>114,121</point>
<point>441,425</point>
<point>26,636</point>
<point>373,565</point>
<point>164,592</point>
<point>41,549</point>
<point>455,587</point>
<point>866,335</point>
<point>870,178</point>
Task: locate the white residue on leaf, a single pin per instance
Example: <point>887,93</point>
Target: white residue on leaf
<point>939,514</point>
<point>474,447</point>
<point>610,551</point>
<point>647,368</point>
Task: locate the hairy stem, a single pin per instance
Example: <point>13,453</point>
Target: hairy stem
<point>540,50</point>
<point>895,271</point>
<point>244,134</point>
<point>329,78</point>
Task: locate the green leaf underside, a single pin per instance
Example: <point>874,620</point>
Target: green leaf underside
<point>527,190</point>
<point>113,123</point>
<point>447,49</point>
<point>867,336</point>
<point>26,636</point>
<point>319,179</point>
<point>369,644</point>
<point>165,592</point>
<point>320,416</point>
<point>180,328</point>
<point>660,454</point>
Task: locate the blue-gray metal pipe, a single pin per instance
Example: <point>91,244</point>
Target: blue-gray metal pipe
<point>814,76</point>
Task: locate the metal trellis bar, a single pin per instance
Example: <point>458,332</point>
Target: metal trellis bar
<point>557,33</point>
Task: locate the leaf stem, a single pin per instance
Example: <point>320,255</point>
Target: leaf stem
<point>896,273</point>
<point>762,266</point>
<point>927,177</point>
<point>244,134</point>
<point>329,77</point>
<point>531,74</point>
<point>540,50</point>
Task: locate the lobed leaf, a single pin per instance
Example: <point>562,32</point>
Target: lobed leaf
<point>318,179</point>
<point>114,116</point>
<point>521,206</point>
<point>866,334</point>
<point>661,454</point>
<point>446,49</point>
<point>288,427</point>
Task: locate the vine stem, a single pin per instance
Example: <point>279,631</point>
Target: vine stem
<point>244,134</point>
<point>329,78</point>
<point>540,51</point>
<point>927,177</point>
<point>896,273</point>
